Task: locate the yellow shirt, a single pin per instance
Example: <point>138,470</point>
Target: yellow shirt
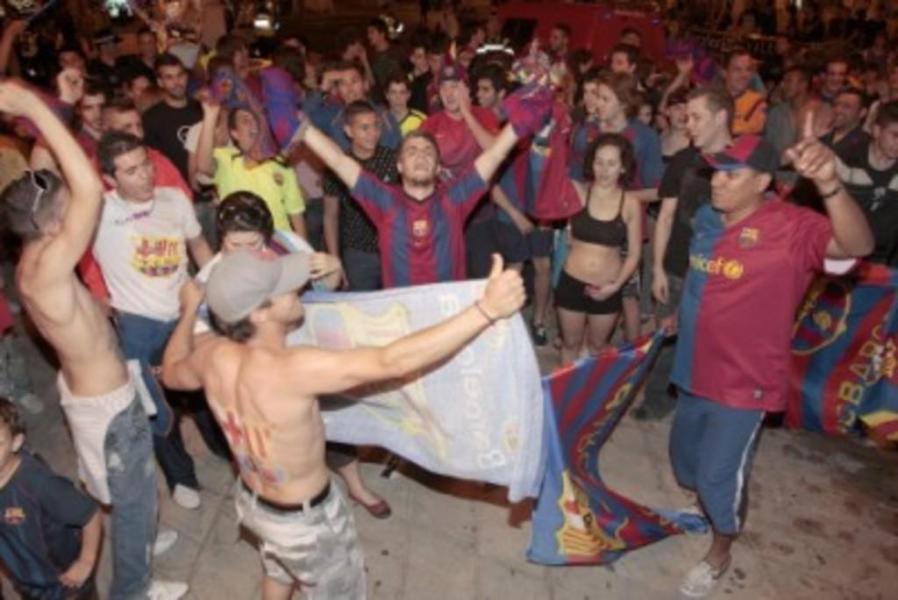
<point>751,113</point>
<point>411,122</point>
<point>271,181</point>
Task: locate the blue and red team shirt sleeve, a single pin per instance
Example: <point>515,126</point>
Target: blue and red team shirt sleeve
<point>740,298</point>
<point>465,191</point>
<point>647,151</point>
<point>374,196</point>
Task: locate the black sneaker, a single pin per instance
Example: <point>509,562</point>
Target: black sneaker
<point>540,336</point>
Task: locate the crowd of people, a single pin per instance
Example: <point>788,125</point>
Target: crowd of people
<point>706,204</point>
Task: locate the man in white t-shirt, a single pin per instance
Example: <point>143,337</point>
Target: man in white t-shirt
<point>142,241</point>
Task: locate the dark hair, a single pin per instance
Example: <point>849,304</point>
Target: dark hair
<point>678,96</point>
<point>631,31</point>
<point>625,88</point>
<point>631,51</point>
<point>11,417</point>
<point>802,71</point>
<point>241,331</point>
<point>350,65</point>
<point>380,25</point>
<point>717,98</point>
<point>229,45</point>
<point>167,59</point>
<point>356,108</point>
<point>735,52</point>
<point>397,77</point>
<point>132,76</point>
<point>232,116</point>
<point>854,91</point>
<point>495,74</point>
<point>563,28</point>
<point>887,114</point>
<point>28,201</point>
<point>94,87</point>
<point>112,145</point>
<point>244,211</point>
<point>624,147</point>
<point>120,104</point>
<point>423,135</point>
<point>292,61</point>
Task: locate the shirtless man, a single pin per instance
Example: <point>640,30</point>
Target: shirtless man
<point>56,219</point>
<point>265,396</point>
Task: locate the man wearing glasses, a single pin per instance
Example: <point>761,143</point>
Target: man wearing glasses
<point>56,219</point>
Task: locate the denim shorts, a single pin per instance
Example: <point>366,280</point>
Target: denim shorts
<point>316,547</point>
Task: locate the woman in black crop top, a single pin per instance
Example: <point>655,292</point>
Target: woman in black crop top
<point>588,294</point>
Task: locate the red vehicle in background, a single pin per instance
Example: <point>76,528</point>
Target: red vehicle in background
<point>593,26</point>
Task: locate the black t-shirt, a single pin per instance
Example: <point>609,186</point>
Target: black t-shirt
<point>877,194</point>
<point>165,129</point>
<point>419,100</point>
<point>356,229</point>
<point>688,179</point>
<point>40,530</point>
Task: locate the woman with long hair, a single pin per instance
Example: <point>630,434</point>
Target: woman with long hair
<point>588,295</point>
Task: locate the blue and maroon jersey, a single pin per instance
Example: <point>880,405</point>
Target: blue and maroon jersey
<point>743,288</point>
<point>646,151</point>
<point>421,241</point>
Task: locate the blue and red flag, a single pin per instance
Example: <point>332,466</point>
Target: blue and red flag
<point>578,519</point>
<point>845,355</point>
<point>232,92</point>
<point>537,181</point>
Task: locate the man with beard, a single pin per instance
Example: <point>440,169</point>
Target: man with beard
<point>167,122</point>
<point>420,222</point>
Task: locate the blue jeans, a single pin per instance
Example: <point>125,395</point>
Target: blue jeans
<point>131,475</point>
<point>362,270</point>
<point>144,339</point>
<point>711,451</point>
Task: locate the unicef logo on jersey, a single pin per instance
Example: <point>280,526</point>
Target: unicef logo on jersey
<point>823,316</point>
<point>729,268</point>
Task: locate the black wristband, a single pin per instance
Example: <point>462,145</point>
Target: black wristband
<point>829,195</point>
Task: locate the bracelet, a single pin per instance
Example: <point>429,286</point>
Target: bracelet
<point>829,195</point>
<point>486,315</point>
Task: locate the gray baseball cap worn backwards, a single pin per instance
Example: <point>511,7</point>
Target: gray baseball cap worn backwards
<point>244,280</point>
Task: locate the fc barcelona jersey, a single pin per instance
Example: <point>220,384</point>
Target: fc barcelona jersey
<point>743,288</point>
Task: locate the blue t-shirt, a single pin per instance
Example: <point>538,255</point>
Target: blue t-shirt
<point>40,529</point>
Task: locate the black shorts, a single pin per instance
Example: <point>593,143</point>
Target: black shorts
<point>570,294</point>
<point>515,247</point>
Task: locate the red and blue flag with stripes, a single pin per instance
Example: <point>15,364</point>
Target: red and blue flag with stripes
<point>845,355</point>
<point>578,519</point>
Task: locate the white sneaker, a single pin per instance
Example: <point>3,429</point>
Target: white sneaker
<point>186,497</point>
<point>165,539</point>
<point>166,590</point>
<point>700,580</point>
<point>31,403</point>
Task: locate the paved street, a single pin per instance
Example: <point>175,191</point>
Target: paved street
<point>823,523</point>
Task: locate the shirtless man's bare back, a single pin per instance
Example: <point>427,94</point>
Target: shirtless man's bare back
<point>265,396</point>
<point>56,219</point>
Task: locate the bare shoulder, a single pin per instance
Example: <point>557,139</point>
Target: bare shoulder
<point>632,205</point>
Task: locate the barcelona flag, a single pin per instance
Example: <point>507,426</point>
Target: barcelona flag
<point>537,181</point>
<point>845,355</point>
<point>578,519</point>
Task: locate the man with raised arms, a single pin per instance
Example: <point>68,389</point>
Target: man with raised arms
<point>265,395</point>
<point>56,219</point>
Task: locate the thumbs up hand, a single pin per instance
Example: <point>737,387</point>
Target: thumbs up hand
<point>504,294</point>
<point>810,157</point>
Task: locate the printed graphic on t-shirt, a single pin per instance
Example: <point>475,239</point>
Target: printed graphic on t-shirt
<point>14,515</point>
<point>420,231</point>
<point>156,256</point>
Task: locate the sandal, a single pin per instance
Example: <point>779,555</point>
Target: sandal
<point>379,510</point>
